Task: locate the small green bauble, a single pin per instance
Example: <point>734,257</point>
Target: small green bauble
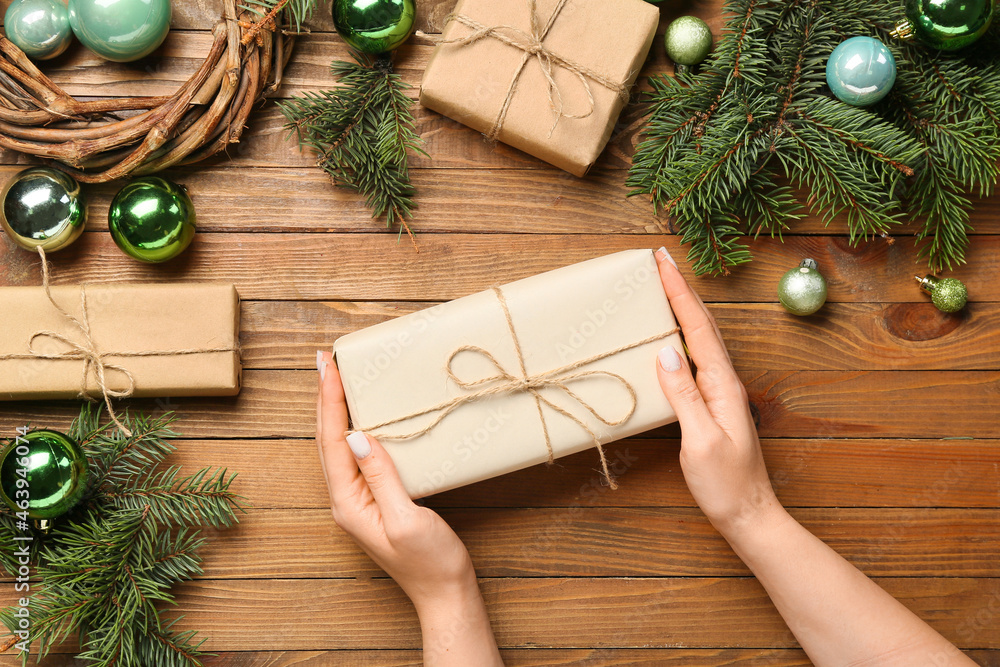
<point>947,24</point>
<point>43,207</point>
<point>152,219</point>
<point>948,294</point>
<point>120,30</point>
<point>802,291</point>
<point>45,471</point>
<point>688,40</point>
<point>40,28</point>
<point>374,26</point>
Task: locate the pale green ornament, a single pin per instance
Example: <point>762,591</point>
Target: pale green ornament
<point>688,40</point>
<point>802,291</point>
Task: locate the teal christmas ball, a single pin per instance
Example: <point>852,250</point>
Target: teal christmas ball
<point>802,291</point>
<point>688,40</point>
<point>949,24</point>
<point>43,473</point>
<point>374,26</point>
<point>41,206</point>
<point>120,30</point>
<point>861,71</point>
<point>152,219</point>
<point>40,28</point>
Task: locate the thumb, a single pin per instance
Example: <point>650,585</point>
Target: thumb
<point>682,392</point>
<point>379,472</point>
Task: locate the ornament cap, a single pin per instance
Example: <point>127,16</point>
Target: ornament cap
<point>903,31</point>
<point>927,283</point>
<point>809,263</point>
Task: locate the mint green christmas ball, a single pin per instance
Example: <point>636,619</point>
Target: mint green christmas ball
<point>688,40</point>
<point>40,28</point>
<point>120,30</point>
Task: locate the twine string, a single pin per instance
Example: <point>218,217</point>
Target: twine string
<point>531,43</point>
<point>94,360</point>
<point>505,382</point>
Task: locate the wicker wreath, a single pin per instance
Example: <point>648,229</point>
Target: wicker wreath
<point>95,143</point>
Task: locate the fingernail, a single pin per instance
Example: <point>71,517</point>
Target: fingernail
<point>663,254</point>
<point>358,442</point>
<point>669,359</point>
<point>321,366</point>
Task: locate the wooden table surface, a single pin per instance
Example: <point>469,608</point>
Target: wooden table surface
<point>878,416</point>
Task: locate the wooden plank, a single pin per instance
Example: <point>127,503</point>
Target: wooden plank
<point>697,612</point>
<point>451,200</point>
<point>855,336</point>
<point>377,267</point>
<point>805,404</point>
<point>586,541</point>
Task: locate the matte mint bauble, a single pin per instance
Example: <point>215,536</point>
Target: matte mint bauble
<point>41,206</point>
<point>120,30</point>
<point>947,24</point>
<point>688,40</point>
<point>40,28</point>
<point>374,26</point>
<point>152,219</point>
<point>861,71</point>
<point>43,473</point>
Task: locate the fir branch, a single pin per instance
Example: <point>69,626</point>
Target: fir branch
<point>362,132</point>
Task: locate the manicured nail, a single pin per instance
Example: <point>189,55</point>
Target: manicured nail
<point>321,366</point>
<point>358,442</point>
<point>669,359</point>
<point>663,254</point>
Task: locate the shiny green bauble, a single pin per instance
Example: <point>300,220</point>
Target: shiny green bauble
<point>688,40</point>
<point>949,24</point>
<point>43,207</point>
<point>40,28</point>
<point>120,30</point>
<point>374,26</point>
<point>949,294</point>
<point>43,473</point>
<point>802,291</point>
<point>152,219</point>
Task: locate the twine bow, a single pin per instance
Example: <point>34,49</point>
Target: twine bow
<point>94,359</point>
<point>505,382</point>
<point>531,43</point>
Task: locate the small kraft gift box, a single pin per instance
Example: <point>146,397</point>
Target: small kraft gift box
<point>549,77</point>
<point>516,375</point>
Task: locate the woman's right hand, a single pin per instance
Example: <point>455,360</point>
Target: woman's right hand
<point>720,452</point>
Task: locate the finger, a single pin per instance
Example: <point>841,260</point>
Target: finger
<point>340,467</point>
<point>682,392</point>
<point>700,332</point>
<point>381,474</point>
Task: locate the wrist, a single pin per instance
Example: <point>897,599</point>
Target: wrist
<point>758,517</point>
<point>458,596</point>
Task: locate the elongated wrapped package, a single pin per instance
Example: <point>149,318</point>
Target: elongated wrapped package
<point>514,376</point>
<point>157,340</point>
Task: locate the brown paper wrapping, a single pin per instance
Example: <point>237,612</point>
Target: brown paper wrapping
<point>397,368</point>
<point>469,83</point>
<point>123,318</point>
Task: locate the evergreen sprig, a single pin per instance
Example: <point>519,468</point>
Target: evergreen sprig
<point>727,149</point>
<point>362,132</point>
<point>107,567</point>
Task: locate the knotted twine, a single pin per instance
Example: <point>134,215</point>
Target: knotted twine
<point>531,43</point>
<point>505,382</point>
<point>93,358</point>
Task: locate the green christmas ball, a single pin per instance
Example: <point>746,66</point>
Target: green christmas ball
<point>152,219</point>
<point>949,24</point>
<point>374,26</point>
<point>802,291</point>
<point>40,28</point>
<point>43,207</point>
<point>688,40</point>
<point>949,294</point>
<point>43,473</point>
<point>120,30</point>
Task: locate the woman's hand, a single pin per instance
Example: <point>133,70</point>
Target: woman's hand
<point>411,543</point>
<point>720,452</point>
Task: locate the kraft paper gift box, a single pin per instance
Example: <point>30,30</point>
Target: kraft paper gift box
<point>187,337</point>
<point>592,48</point>
<point>448,382</point>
